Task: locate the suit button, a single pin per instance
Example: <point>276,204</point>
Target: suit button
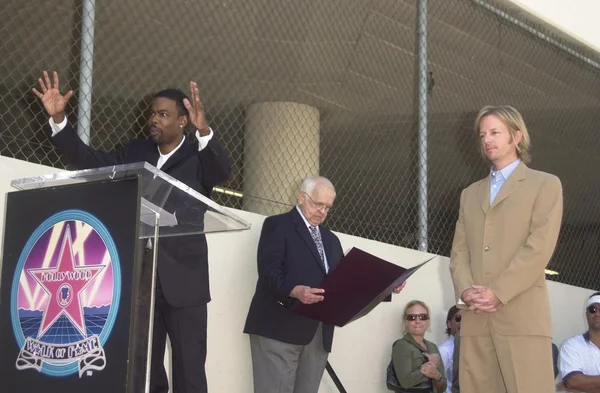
<point>486,248</point>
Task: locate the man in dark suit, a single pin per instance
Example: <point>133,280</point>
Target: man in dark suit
<point>182,288</point>
<point>295,253</point>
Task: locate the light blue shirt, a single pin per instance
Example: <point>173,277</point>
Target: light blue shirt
<point>308,225</point>
<point>498,178</point>
<point>447,354</point>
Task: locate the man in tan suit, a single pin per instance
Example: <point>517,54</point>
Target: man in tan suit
<point>507,229</point>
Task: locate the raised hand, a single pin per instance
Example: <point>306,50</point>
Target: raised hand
<point>53,101</point>
<point>196,110</point>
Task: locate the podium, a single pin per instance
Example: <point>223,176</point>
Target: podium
<point>76,292</point>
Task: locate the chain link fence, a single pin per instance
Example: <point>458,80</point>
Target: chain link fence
<point>331,87</point>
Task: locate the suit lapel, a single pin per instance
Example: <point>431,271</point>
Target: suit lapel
<point>483,192</point>
<point>152,155</point>
<point>305,234</point>
<point>327,245</point>
<point>179,155</point>
<point>510,185</point>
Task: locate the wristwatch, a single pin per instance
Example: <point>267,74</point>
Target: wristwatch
<point>440,377</point>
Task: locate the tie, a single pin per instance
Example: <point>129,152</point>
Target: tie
<point>314,232</point>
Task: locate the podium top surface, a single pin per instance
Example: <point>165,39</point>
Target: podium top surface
<point>166,202</point>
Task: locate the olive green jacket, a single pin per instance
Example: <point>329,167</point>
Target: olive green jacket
<point>408,358</point>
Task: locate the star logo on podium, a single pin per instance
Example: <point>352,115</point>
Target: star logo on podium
<point>64,285</point>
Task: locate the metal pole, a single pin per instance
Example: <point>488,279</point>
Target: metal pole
<point>152,302</point>
<point>334,377</point>
<point>84,111</point>
<point>422,141</point>
<point>536,33</point>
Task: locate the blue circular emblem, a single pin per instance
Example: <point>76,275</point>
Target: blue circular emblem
<point>65,295</point>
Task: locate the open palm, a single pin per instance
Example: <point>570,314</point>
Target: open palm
<point>196,110</point>
<point>54,102</point>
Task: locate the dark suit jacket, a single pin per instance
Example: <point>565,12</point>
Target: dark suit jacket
<point>455,364</point>
<point>287,256</point>
<point>183,260</point>
<point>555,359</point>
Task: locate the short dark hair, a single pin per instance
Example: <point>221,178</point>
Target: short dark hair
<point>451,313</point>
<point>176,95</point>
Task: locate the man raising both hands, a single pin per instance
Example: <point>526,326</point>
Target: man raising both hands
<point>182,286</point>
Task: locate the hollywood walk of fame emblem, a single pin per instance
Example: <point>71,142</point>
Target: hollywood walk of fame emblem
<point>65,295</point>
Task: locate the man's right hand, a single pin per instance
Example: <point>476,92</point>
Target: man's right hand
<point>53,101</point>
<point>470,295</point>
<point>307,295</point>
<point>475,300</point>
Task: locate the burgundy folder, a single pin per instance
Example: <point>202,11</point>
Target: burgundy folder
<point>358,284</point>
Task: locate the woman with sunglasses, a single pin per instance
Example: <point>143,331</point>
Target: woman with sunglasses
<point>417,361</point>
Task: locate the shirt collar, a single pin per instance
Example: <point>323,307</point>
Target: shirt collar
<point>506,171</point>
<point>308,224</point>
<point>168,155</point>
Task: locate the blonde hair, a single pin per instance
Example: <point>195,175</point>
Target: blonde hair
<point>513,120</point>
<point>410,305</point>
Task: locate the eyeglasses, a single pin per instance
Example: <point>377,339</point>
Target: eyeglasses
<point>592,309</point>
<point>457,318</point>
<point>319,206</point>
<point>413,317</point>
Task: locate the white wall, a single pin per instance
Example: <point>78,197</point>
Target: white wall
<point>361,350</point>
<point>576,18</point>
<point>15,169</point>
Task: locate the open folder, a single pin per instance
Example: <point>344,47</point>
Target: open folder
<point>358,283</point>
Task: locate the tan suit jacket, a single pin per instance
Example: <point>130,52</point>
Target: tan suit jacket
<point>506,247</point>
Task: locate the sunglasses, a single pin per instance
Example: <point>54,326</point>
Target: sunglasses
<point>593,309</point>
<point>457,318</point>
<point>413,317</point>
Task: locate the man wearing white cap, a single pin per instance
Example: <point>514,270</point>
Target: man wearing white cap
<point>580,355</point>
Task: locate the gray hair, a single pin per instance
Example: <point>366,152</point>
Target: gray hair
<point>309,184</point>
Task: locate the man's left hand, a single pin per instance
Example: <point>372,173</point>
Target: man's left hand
<point>487,302</point>
<point>196,111</point>
<point>400,287</point>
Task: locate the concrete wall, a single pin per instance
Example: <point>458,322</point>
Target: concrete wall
<point>362,349</point>
<point>576,18</point>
